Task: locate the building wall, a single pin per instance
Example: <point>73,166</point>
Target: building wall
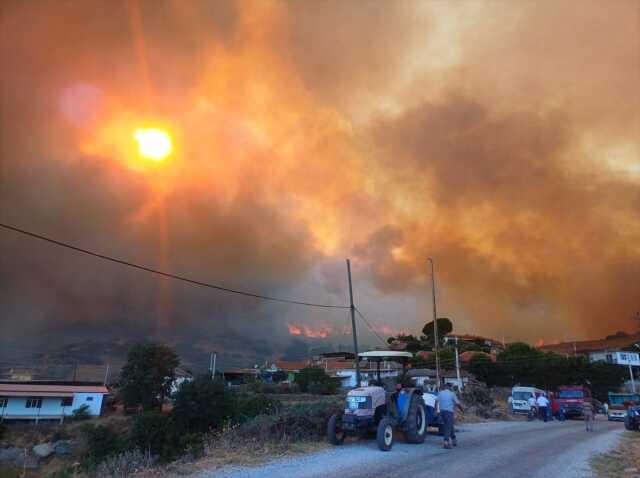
<point>619,358</point>
<point>16,406</point>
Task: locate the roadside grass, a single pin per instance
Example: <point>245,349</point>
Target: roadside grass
<point>624,461</point>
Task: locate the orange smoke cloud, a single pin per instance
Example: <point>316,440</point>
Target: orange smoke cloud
<point>306,133</point>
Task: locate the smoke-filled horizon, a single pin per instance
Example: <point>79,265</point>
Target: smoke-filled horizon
<point>499,138</point>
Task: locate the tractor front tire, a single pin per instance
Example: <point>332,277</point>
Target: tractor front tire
<point>384,436</point>
<point>335,433</point>
<point>416,424</point>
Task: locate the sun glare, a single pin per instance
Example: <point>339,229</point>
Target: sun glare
<point>153,143</point>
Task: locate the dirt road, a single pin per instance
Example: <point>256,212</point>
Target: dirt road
<point>491,450</point>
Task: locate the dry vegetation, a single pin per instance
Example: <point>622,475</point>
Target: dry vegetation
<point>623,462</point>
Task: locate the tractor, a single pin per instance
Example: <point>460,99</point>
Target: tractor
<point>372,410</point>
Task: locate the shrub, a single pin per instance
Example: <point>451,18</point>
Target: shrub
<point>254,405</point>
<point>300,422</point>
<point>102,442</point>
<point>203,404</point>
<point>156,434</point>
<point>315,380</point>
<point>81,413</point>
<point>124,464</point>
<point>3,430</point>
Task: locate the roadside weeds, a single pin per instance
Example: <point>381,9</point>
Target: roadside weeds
<point>624,461</point>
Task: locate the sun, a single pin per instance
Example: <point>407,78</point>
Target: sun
<point>153,143</point>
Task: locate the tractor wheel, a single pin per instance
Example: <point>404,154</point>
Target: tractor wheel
<point>416,428</point>
<point>628,424</point>
<point>384,437</point>
<point>335,433</point>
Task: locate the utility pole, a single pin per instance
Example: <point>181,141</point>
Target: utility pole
<point>435,324</point>
<point>458,366</point>
<point>212,364</point>
<point>106,375</point>
<point>353,324</point>
<point>633,382</point>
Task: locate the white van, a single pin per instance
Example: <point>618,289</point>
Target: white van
<point>520,398</point>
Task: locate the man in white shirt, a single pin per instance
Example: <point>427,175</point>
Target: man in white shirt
<point>543,403</point>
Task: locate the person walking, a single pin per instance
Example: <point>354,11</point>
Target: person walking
<point>448,402</point>
<point>588,410</point>
<point>543,403</point>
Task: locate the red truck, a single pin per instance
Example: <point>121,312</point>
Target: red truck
<point>571,398</point>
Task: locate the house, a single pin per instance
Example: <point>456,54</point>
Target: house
<point>616,357</point>
<point>493,345</point>
<point>466,357</point>
<point>426,378</point>
<point>236,376</point>
<point>179,377</point>
<point>585,347</point>
<point>48,400</point>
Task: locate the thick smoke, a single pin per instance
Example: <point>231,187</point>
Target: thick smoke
<point>499,139</point>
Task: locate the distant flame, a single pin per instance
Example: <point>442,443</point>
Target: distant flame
<point>540,343</point>
<point>316,333</point>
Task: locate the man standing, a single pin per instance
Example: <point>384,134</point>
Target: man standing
<point>542,403</point>
<point>588,411</point>
<point>448,402</point>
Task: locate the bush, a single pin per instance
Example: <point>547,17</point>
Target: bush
<point>102,442</point>
<point>124,464</point>
<point>80,414</point>
<point>3,430</point>
<point>202,405</point>
<point>155,434</point>
<point>254,405</point>
<point>301,422</point>
<point>315,380</point>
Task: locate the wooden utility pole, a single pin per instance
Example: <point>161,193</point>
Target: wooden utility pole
<point>353,324</point>
<point>435,324</point>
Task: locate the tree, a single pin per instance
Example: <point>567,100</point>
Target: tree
<point>203,404</point>
<point>147,376</point>
<point>444,327</point>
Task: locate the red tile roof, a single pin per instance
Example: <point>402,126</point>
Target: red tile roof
<point>34,389</point>
<point>586,346</point>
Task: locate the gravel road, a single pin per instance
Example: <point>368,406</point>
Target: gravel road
<point>491,450</point>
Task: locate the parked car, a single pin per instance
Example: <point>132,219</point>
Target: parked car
<point>520,398</point>
<point>618,404</point>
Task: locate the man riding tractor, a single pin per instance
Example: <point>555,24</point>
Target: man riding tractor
<point>372,409</point>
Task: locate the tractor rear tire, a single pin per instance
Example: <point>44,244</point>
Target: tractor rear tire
<point>416,428</point>
<point>628,424</point>
<point>335,433</point>
<point>384,436</point>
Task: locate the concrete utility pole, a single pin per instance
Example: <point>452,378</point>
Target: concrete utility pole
<point>458,366</point>
<point>633,382</point>
<point>435,324</point>
<point>212,364</point>
<point>353,324</point>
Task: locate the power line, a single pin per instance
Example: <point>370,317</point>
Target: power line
<point>169,275</point>
<point>370,326</point>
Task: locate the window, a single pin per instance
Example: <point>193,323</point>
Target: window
<point>570,394</point>
<point>623,357</point>
<point>3,402</point>
<point>66,402</point>
<point>89,399</point>
<point>34,403</point>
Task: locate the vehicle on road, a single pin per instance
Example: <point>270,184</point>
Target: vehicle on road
<point>571,398</point>
<point>373,410</point>
<point>619,403</point>
<point>632,418</point>
<point>520,398</point>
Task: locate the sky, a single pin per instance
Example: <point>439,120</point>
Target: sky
<point>500,138</point>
